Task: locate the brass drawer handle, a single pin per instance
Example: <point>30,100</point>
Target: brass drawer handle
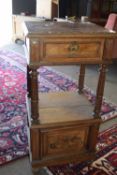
<point>73,46</point>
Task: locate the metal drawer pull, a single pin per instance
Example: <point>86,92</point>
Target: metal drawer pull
<point>73,47</point>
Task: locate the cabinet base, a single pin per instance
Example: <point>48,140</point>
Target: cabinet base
<point>63,160</point>
<point>67,142</point>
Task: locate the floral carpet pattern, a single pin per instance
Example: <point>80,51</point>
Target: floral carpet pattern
<point>13,114</point>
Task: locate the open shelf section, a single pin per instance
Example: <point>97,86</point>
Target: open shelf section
<point>64,106</point>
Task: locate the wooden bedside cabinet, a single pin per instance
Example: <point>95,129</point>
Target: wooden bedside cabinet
<point>64,126</point>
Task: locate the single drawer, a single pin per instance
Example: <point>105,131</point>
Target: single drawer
<point>72,51</point>
<point>59,142</point>
<point>66,51</point>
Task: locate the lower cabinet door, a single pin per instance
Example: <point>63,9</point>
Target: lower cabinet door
<point>62,142</point>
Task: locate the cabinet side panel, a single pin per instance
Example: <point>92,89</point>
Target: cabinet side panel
<point>35,144</point>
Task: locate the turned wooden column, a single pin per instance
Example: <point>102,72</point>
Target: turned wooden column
<point>28,81</point>
<point>34,95</point>
<point>81,78</point>
<point>100,90</point>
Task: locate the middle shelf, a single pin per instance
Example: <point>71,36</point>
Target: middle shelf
<point>61,107</point>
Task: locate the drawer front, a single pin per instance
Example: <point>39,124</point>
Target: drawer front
<point>72,51</point>
<point>66,51</point>
<point>63,141</point>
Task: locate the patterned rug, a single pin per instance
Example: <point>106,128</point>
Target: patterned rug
<point>13,114</point>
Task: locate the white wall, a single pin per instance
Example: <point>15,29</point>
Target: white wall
<point>43,8</point>
<point>5,22</point>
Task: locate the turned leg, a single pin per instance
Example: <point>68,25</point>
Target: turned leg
<point>28,81</point>
<point>34,95</point>
<point>100,91</point>
<point>81,78</point>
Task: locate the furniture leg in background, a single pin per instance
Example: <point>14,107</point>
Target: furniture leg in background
<point>100,90</point>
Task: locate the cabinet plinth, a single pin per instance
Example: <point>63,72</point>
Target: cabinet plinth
<point>63,126</point>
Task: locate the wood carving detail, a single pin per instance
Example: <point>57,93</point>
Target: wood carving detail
<point>67,141</point>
